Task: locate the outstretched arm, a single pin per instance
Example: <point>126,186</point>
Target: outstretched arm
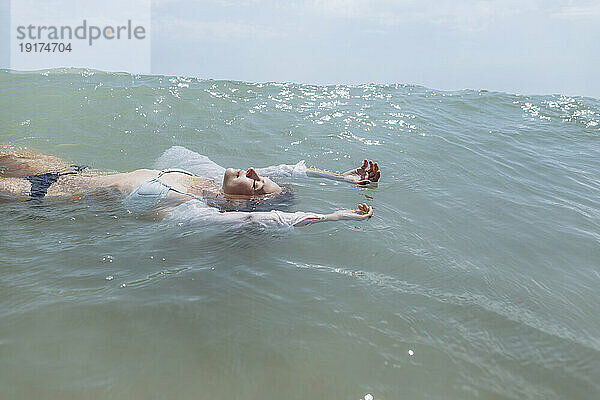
<point>283,219</point>
<point>363,212</point>
<point>367,173</point>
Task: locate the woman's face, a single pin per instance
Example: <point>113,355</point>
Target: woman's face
<point>247,183</point>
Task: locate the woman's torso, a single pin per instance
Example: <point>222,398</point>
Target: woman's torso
<point>122,184</point>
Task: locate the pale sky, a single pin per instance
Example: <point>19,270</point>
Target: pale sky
<point>525,47</point>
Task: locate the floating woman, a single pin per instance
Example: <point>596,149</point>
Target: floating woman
<point>34,177</point>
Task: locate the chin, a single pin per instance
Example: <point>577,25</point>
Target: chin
<point>237,196</point>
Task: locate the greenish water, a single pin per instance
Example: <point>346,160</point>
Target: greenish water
<point>482,258</point>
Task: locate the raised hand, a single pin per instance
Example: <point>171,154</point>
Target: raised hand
<point>363,212</point>
<point>367,173</point>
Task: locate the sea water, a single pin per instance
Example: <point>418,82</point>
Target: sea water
<point>476,278</point>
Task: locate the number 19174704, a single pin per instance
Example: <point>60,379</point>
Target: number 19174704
<point>49,47</point>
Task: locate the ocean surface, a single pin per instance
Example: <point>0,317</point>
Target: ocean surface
<point>477,278</point>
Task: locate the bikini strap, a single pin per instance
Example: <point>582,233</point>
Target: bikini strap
<point>182,171</point>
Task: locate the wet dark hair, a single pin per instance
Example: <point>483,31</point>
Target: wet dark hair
<point>281,201</point>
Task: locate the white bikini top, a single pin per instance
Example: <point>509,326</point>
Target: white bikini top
<point>149,193</point>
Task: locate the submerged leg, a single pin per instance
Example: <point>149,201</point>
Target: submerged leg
<point>14,189</point>
<point>22,163</point>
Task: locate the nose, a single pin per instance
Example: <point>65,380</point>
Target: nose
<point>252,174</point>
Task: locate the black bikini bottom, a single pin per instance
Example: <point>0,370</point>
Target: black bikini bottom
<point>41,182</point>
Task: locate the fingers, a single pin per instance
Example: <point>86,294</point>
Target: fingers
<point>367,173</point>
<point>372,167</point>
<point>369,170</point>
<point>373,173</point>
<point>365,210</point>
<point>361,170</point>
